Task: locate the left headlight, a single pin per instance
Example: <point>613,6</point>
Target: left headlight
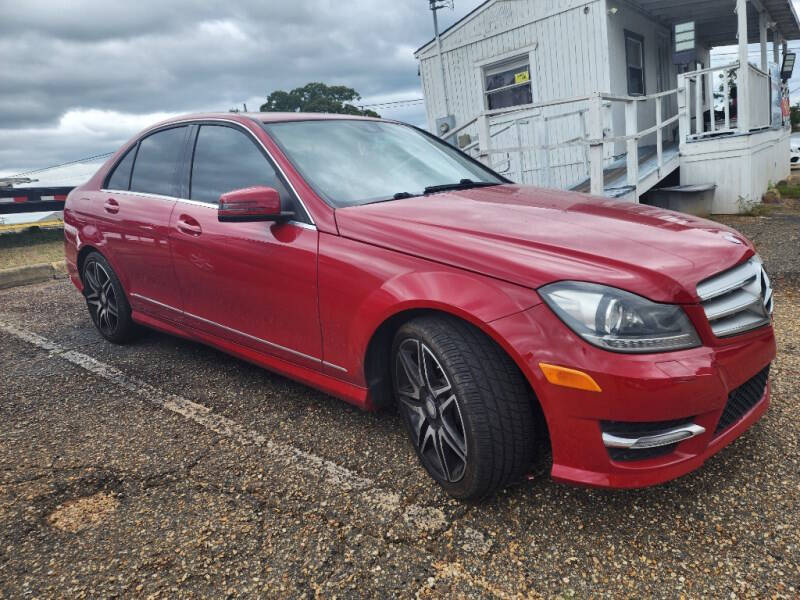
<point>617,320</point>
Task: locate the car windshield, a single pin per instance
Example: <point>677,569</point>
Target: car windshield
<point>352,162</point>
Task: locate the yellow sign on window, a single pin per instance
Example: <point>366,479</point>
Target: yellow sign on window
<point>522,77</point>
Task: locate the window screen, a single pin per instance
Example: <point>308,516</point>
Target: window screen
<point>121,177</point>
<point>634,55</point>
<point>157,161</point>
<point>225,160</point>
<point>508,84</point>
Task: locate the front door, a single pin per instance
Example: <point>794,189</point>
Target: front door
<point>134,220</point>
<point>252,283</point>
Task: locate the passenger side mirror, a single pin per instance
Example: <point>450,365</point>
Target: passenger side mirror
<point>259,203</point>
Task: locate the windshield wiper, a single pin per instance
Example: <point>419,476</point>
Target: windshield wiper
<point>464,184</point>
<point>397,196</point>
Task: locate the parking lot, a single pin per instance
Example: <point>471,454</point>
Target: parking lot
<point>166,467</point>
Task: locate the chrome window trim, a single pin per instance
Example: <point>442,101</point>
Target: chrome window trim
<point>200,121</point>
<point>242,333</point>
<point>195,203</point>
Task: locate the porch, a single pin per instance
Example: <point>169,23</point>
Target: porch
<point>714,122</point>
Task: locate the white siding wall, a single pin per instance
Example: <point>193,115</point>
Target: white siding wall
<point>565,41</point>
<point>660,73</point>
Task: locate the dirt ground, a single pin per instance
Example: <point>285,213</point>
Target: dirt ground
<point>165,468</point>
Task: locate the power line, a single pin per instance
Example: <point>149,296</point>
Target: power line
<point>395,103</point>
<point>72,162</point>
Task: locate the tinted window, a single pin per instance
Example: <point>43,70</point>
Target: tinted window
<point>225,160</point>
<point>157,161</point>
<point>121,177</point>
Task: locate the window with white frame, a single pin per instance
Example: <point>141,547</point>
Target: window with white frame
<point>634,57</point>
<point>508,83</point>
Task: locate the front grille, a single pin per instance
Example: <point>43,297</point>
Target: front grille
<point>635,430</point>
<point>737,300</point>
<point>742,400</point>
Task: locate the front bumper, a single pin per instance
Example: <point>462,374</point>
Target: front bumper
<point>691,385</point>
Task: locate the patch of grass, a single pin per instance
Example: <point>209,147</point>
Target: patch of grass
<point>789,190</point>
<point>31,246</point>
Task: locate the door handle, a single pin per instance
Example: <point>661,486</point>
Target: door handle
<point>111,206</point>
<point>189,226</point>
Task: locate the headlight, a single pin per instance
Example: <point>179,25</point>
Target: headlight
<point>618,320</point>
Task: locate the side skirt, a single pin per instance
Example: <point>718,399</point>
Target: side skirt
<point>348,392</point>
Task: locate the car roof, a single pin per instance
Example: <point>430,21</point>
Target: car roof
<point>267,117</point>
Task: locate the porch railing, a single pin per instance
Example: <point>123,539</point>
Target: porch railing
<point>712,92</point>
<point>564,142</point>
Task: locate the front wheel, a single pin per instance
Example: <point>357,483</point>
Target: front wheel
<point>466,406</point>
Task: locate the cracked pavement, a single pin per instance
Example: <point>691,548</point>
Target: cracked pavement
<point>167,468</point>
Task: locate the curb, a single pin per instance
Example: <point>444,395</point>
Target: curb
<point>28,274</point>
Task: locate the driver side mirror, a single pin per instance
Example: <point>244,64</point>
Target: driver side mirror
<point>259,203</point>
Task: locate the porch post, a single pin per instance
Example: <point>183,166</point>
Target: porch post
<point>776,50</point>
<point>743,80</point>
<point>762,38</point>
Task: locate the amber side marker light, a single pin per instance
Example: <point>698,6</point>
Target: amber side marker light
<point>569,378</point>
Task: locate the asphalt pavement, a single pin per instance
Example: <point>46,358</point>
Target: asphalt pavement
<point>167,468</point>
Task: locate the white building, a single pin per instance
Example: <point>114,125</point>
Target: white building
<point>587,95</point>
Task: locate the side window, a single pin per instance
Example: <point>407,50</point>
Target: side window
<point>508,83</point>
<point>225,160</point>
<point>634,56</point>
<point>121,177</point>
<point>157,161</point>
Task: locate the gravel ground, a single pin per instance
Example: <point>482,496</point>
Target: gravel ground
<point>167,468</point>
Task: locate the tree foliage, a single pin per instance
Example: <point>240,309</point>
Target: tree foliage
<point>316,97</point>
<point>795,116</point>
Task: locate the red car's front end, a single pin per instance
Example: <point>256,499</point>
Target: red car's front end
<point>617,417</point>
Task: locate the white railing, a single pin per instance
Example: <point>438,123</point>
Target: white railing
<point>712,91</point>
<point>760,93</point>
<point>567,141</point>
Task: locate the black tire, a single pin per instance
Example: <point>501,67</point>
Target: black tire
<point>108,306</point>
<point>493,406</point>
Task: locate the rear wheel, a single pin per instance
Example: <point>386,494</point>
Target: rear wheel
<point>465,404</point>
<point>106,301</point>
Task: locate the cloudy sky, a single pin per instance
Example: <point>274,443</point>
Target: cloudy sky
<point>79,77</point>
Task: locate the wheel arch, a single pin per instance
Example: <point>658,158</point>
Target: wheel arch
<point>377,365</point>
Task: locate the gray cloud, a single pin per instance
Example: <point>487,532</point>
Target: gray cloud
<point>65,59</point>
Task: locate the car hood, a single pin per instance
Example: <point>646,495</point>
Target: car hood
<point>532,237</point>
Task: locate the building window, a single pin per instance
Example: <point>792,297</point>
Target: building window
<point>508,83</point>
<point>634,57</point>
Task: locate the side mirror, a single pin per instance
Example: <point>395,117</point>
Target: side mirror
<point>257,203</point>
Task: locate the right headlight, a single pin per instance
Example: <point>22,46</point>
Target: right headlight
<point>617,320</point>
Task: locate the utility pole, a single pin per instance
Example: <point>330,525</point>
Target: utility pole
<point>435,6</point>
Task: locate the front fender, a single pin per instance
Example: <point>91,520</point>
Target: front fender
<point>362,286</point>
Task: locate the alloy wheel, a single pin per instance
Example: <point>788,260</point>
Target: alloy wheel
<point>101,297</point>
<point>430,405</point>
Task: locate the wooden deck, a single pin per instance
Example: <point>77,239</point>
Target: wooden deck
<point>615,175</point>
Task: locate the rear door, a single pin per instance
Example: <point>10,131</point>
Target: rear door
<point>134,218</point>
<point>251,283</point>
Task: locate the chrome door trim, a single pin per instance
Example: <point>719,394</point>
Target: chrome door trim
<point>195,203</point>
<point>156,302</point>
<point>333,366</point>
<point>242,333</point>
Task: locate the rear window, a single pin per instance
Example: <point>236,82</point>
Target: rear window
<point>157,161</point>
<point>121,177</point>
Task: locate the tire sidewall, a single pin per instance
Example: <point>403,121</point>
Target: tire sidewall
<point>122,330</point>
<point>465,397</point>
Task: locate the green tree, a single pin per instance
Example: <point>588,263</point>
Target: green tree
<point>316,97</point>
<point>795,116</point>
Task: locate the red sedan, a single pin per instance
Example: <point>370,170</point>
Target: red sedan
<point>370,260</point>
